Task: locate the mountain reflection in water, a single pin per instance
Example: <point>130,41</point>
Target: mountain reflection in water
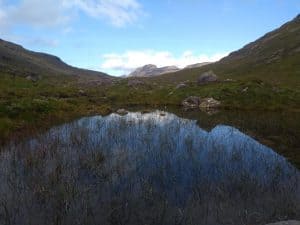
<point>153,168</point>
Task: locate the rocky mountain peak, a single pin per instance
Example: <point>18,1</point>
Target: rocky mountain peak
<point>152,70</point>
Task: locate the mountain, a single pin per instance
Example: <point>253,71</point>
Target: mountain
<point>274,58</point>
<point>197,65</point>
<point>279,44</point>
<point>18,61</point>
<point>152,70</point>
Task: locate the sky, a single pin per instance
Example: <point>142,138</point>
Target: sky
<point>117,36</point>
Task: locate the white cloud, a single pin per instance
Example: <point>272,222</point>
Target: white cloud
<point>53,13</point>
<point>118,12</point>
<point>124,63</point>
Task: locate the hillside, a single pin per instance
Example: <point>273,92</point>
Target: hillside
<point>38,88</point>
<point>274,58</point>
<point>197,65</point>
<point>17,61</point>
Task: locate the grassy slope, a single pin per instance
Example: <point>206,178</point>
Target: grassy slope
<point>53,95</point>
<point>25,104</point>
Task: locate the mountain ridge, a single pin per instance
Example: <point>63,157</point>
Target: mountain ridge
<point>16,60</point>
<point>151,70</point>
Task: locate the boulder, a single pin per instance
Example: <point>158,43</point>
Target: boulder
<point>245,89</point>
<point>33,77</point>
<point>191,102</point>
<point>207,77</point>
<point>181,85</point>
<point>82,92</point>
<point>209,103</point>
<point>290,222</point>
<point>122,112</point>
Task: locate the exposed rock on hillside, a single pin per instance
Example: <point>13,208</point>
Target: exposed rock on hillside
<point>207,77</point>
<point>182,85</point>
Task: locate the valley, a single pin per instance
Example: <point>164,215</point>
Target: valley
<point>205,143</point>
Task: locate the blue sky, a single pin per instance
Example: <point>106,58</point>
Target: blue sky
<point>116,36</point>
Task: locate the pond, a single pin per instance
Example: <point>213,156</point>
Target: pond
<point>145,168</point>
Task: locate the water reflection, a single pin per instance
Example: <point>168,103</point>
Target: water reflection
<point>153,168</point>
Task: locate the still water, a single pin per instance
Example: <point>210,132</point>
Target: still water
<point>151,168</point>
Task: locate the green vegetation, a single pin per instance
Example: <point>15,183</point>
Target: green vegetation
<point>251,94</point>
<point>27,104</point>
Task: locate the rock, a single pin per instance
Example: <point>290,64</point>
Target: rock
<point>181,85</point>
<point>82,92</point>
<point>207,77</point>
<point>209,103</point>
<point>33,78</point>
<point>245,89</point>
<point>122,112</point>
<point>191,102</point>
<point>194,102</point>
<point>290,222</point>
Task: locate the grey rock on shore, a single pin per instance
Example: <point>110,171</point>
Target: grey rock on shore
<point>193,102</point>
